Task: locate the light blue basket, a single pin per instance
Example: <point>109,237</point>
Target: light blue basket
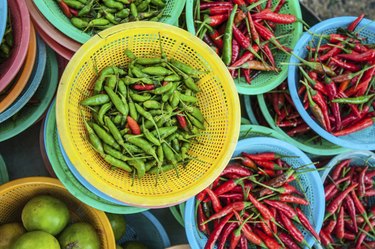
<point>360,140</point>
<point>145,228</point>
<point>32,84</point>
<point>3,17</point>
<point>67,178</point>
<point>248,100</point>
<point>312,186</point>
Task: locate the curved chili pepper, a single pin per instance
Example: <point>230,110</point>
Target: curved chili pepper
<point>215,200</point>
<point>367,122</point>
<point>270,242</point>
<point>268,15</point>
<point>285,208</point>
<point>288,241</point>
<point>291,228</point>
<point>306,223</point>
<point>64,8</point>
<point>290,199</point>
<point>338,168</point>
<point>355,23</point>
<point>363,235</point>
<point>326,239</point>
<point>366,56</point>
<point>335,203</point>
<point>237,169</point>
<point>349,204</point>
<point>228,229</point>
<point>228,38</point>
<point>263,210</point>
<point>204,6</point>
<point>201,219</point>
<point>235,206</point>
<point>217,231</point>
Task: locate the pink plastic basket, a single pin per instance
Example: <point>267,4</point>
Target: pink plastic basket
<point>21,31</point>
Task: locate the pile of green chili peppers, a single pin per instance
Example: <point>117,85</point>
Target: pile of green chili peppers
<point>7,42</point>
<point>97,15</point>
<point>145,117</point>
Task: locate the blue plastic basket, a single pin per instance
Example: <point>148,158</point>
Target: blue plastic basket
<point>67,178</point>
<point>3,17</point>
<point>248,100</point>
<point>145,228</point>
<point>32,85</point>
<point>360,140</point>
<point>312,186</point>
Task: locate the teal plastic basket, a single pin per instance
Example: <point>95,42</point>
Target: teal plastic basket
<point>325,148</point>
<point>62,171</point>
<point>265,81</point>
<point>52,12</point>
<point>311,182</point>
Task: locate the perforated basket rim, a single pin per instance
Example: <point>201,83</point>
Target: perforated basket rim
<point>242,86</point>
<point>53,183</point>
<point>59,21</point>
<point>32,83</point>
<point>25,121</point>
<point>351,154</point>
<point>3,17</point>
<point>323,151</point>
<point>70,182</point>
<point>190,221</point>
<point>75,158</point>
<point>293,72</point>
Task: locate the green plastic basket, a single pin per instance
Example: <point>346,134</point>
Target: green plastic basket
<point>67,178</point>
<point>52,12</point>
<point>265,81</point>
<point>4,177</point>
<point>31,113</point>
<point>324,149</point>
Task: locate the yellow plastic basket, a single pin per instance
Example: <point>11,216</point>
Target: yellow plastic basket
<point>15,194</point>
<point>218,101</point>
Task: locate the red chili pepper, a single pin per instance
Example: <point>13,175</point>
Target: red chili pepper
<point>228,229</point>
<point>365,81</point>
<point>217,231</point>
<point>291,228</point>
<point>368,177</point>
<point>201,219</point>
<point>363,235</point>
<point>267,172</point>
<point>204,6</point>
<point>355,23</point>
<point>269,36</point>
<point>306,223</point>
<point>64,8</point>
<point>133,126</point>
<point>215,37</point>
<point>361,181</point>
<point>245,57</point>
<point>228,186</point>
<point>182,121</point>
<point>235,206</point>
<point>256,65</point>
<point>359,57</point>
<point>370,193</point>
<point>265,156</point>
<point>243,242</point>
<point>322,48</point>
<point>335,203</point>
<point>216,20</point>
<point>247,75</point>
<point>235,238</point>
<point>268,15</point>
<point>339,229</point>
<point>288,241</point>
<point>243,41</point>
<point>273,224</point>
<point>319,99</point>
<point>235,168</point>
<point>367,122</point>
<point>280,180</point>
<point>140,87</point>
<point>235,50</point>
<point>350,207</point>
<point>270,242</point>
<point>328,228</point>
<point>285,208</point>
<point>326,239</point>
<point>215,200</point>
<point>268,165</point>
<point>73,11</point>
<point>263,210</point>
<point>253,30</point>
<point>279,6</point>
<point>218,10</point>
<point>200,197</point>
<point>290,199</point>
<point>346,65</point>
<point>251,236</point>
<point>333,52</point>
<point>338,168</point>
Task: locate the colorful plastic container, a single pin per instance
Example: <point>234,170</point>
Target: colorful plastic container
<point>3,17</point>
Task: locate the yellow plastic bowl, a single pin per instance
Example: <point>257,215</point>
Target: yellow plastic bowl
<point>218,101</point>
<point>15,195</point>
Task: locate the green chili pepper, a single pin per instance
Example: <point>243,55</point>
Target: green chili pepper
<point>113,4</point>
<point>98,85</point>
<point>134,11</point>
<point>160,153</point>
<point>157,18</point>
<point>143,5</point>
<point>95,100</point>
<point>149,61</point>
<point>123,13</point>
<point>149,136</point>
<point>74,4</point>
<point>98,22</point>
<point>129,81</point>
<point>195,112</point>
<point>115,153</point>
<point>174,100</point>
<point>155,112</point>
<point>163,89</point>
<point>117,163</point>
<point>186,98</point>
<point>196,122</point>
<point>158,3</point>
<point>165,168</point>
<point>166,131</point>
<point>117,119</point>
<point>105,137</point>
<point>110,17</point>
<point>185,68</point>
<point>83,1</point>
<point>132,148</point>
<point>189,82</point>
<point>184,149</point>
<point>79,23</point>
<point>138,72</point>
<point>169,155</point>
<point>152,104</point>
<point>122,88</point>
<point>128,53</point>
<point>227,39</point>
<point>173,77</point>
<point>140,98</point>
<point>117,102</point>
<point>111,81</point>
<point>169,93</point>
<point>94,139</point>
<point>149,165</point>
<point>132,110</point>
<point>87,9</point>
<point>158,71</point>
<point>125,1</point>
<point>143,144</point>
<point>102,111</point>
<point>114,131</point>
<point>139,165</point>
<point>355,100</point>
<point>176,145</point>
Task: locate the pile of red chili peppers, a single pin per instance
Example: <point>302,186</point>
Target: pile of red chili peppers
<point>242,32</point>
<point>338,81</point>
<point>350,219</point>
<point>254,202</point>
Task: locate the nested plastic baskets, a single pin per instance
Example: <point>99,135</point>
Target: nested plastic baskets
<point>17,193</point>
<point>144,227</point>
<point>311,186</point>
<point>3,171</point>
<point>218,101</point>
<point>360,140</point>
<point>62,171</point>
<point>52,12</point>
<point>20,20</point>
<point>324,148</point>
<point>3,17</point>
<point>265,81</point>
<point>32,112</point>
<point>12,92</point>
<point>33,82</point>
